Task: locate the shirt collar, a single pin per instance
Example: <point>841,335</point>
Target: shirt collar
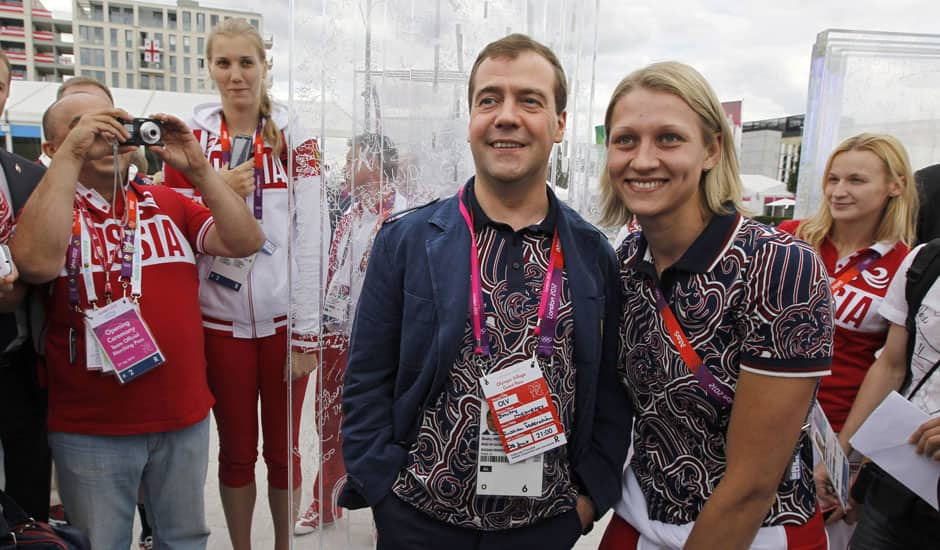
<point>481,220</point>
<point>705,250</point>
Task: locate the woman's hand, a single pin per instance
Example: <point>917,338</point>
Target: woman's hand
<point>927,438</point>
<point>826,497</point>
<point>241,178</point>
<point>302,364</point>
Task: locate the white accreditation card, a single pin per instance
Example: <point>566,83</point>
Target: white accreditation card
<point>231,273</point>
<point>95,359</point>
<point>495,475</point>
<point>523,410</point>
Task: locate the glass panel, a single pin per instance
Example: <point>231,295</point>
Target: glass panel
<point>383,87</point>
<point>868,82</point>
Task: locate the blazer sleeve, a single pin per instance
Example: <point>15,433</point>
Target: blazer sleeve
<point>370,452</point>
<point>601,469</point>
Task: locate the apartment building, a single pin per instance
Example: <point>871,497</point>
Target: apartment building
<point>38,46</point>
<point>147,45</point>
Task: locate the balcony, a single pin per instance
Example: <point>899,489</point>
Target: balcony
<point>18,33</point>
<point>18,74</point>
<point>41,14</point>
<point>43,36</point>
<point>44,58</point>
<point>16,56</point>
<point>6,7</point>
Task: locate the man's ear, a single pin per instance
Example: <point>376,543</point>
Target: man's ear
<point>49,148</point>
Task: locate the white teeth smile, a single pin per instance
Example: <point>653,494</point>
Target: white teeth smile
<point>505,145</point>
<point>645,185</point>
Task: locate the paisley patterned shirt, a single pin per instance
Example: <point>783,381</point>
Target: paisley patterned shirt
<point>748,298</point>
<point>440,474</point>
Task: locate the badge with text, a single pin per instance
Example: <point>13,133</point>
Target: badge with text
<point>125,339</point>
<point>523,411</point>
<point>269,247</point>
<point>833,457</point>
<point>495,475</point>
<point>231,273</point>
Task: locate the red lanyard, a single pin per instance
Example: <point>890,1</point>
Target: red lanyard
<point>98,251</point>
<point>716,392</point>
<point>226,143</point>
<point>851,273</point>
<point>548,305</point>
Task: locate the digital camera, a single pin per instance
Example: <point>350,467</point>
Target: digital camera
<point>143,131</point>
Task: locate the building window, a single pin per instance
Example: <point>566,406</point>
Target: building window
<point>99,61</point>
<point>98,35</point>
<point>187,66</point>
<point>187,85</point>
<point>173,84</point>
<point>254,23</point>
<point>185,44</point>
<point>129,60</point>
<point>200,46</point>
<point>114,38</point>
<point>83,33</point>
<point>158,37</point>
<point>97,12</point>
<point>202,84</point>
<point>128,39</point>
<point>171,20</point>
<point>84,56</point>
<point>200,22</point>
<point>115,80</point>
<point>145,81</point>
<point>201,63</point>
<point>158,82</point>
<point>173,63</point>
<point>214,20</point>
<point>187,21</point>
<point>99,76</point>
<point>172,39</point>
<point>130,79</point>
<point>114,59</point>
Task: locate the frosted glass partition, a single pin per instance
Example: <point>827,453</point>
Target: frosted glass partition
<point>392,74</point>
<point>869,82</point>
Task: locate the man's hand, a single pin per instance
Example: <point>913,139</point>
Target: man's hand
<point>241,178</point>
<point>927,438</point>
<point>302,364</point>
<point>585,509</point>
<point>180,149</point>
<point>91,137</point>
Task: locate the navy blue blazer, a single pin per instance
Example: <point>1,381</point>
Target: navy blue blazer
<point>410,322</point>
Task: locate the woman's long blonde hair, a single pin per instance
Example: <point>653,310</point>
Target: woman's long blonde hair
<point>721,185</point>
<point>900,213</point>
<point>237,26</point>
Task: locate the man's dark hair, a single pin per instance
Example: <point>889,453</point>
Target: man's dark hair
<point>377,147</point>
<point>928,186</point>
<point>511,47</point>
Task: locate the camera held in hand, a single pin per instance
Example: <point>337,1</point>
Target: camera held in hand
<point>143,131</point>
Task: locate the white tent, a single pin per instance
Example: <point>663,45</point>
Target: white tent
<point>761,192</point>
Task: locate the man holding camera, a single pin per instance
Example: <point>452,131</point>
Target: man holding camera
<point>128,398</point>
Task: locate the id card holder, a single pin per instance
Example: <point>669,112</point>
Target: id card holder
<point>495,475</point>
<point>124,339</point>
<point>523,411</point>
<point>95,359</point>
<point>231,273</point>
<point>269,247</point>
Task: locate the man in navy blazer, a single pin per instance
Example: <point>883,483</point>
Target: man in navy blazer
<point>418,442</point>
<point>26,460</point>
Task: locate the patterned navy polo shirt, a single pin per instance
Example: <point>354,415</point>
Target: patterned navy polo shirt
<point>439,477</point>
<point>748,297</point>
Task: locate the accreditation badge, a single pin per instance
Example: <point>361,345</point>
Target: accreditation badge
<point>495,475</point>
<point>523,411</point>
<point>232,273</point>
<point>124,339</point>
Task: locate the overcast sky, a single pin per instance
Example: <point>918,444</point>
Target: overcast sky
<point>756,51</point>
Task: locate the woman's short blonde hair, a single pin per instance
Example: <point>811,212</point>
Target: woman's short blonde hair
<point>721,185</point>
<point>898,219</point>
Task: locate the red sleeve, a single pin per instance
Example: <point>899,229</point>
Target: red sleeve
<point>789,226</point>
<point>191,217</point>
